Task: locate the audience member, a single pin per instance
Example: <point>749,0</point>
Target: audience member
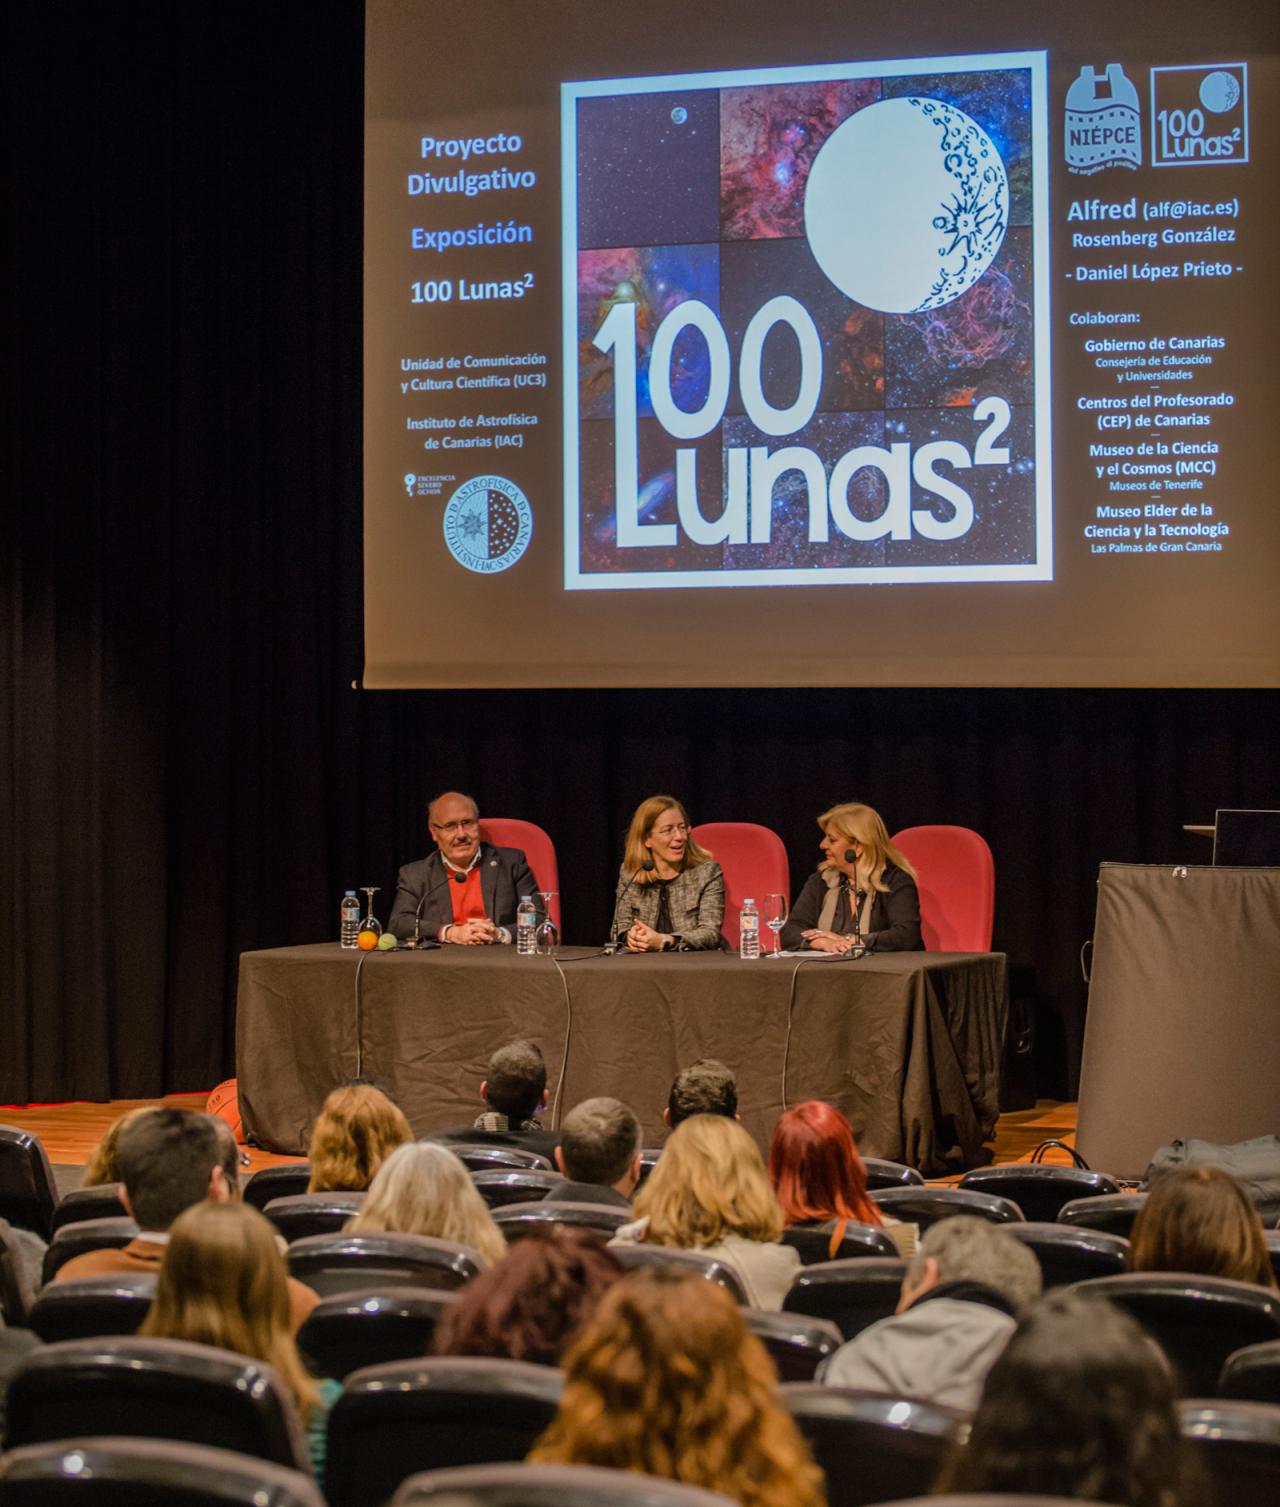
<point>818,1176</point>
<point>533,1303</point>
<point>709,1193</point>
<point>1080,1404</point>
<point>423,1189</point>
<point>355,1132</point>
<point>598,1155</point>
<point>705,1087</point>
<point>667,1381</point>
<point>168,1160</point>
<point>961,1297</point>
<point>514,1090</point>
<point>222,1282</point>
<point>1199,1219</point>
<point>101,1167</point>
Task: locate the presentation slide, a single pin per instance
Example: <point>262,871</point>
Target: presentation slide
<point>834,345</point>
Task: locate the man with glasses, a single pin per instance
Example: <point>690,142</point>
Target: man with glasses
<point>467,891</point>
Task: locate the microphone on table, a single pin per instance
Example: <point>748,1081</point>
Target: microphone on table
<point>647,866</point>
<point>851,858</point>
<point>426,895</point>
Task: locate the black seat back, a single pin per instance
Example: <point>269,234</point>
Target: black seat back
<point>1239,1444</point>
<point>393,1421</point>
<point>331,1264</point>
<point>851,1294</point>
<point>714,1268</point>
<point>527,1485</point>
<point>814,1244</point>
<point>118,1472</point>
<point>1112,1213</point>
<point>87,1235</point>
<point>303,1214</point>
<point>1197,1321</point>
<point>284,1181</point>
<point>514,1185</point>
<point>101,1202</point>
<point>926,1206</point>
<point>481,1158</point>
<point>1070,1253</point>
<point>1039,1191</point>
<point>515,1220</point>
<point>883,1174</point>
<point>84,1308</point>
<point>28,1193</point>
<point>1272,1238</point>
<point>16,1289</point>
<point>798,1344</point>
<point>872,1448</point>
<point>160,1389</point>
<point>1252,1374</point>
<point>370,1326</point>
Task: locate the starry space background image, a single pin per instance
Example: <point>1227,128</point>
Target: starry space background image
<point>700,194</point>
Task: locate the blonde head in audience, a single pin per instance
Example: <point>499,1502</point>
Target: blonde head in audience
<point>1199,1219</point>
<point>666,1380</point>
<point>355,1132</point>
<point>423,1189</point>
<point>101,1167</point>
<point>709,1182</point>
<point>223,1282</point>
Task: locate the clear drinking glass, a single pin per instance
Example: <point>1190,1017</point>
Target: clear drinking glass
<point>547,936</point>
<point>371,922</point>
<point>776,911</point>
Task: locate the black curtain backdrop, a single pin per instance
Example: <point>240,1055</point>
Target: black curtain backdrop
<point>188,771</point>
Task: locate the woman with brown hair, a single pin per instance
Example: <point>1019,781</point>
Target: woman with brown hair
<point>423,1189</point>
<point>222,1282</point>
<point>670,895</point>
<point>1199,1219</point>
<point>864,891</point>
<point>355,1132</point>
<point>667,1381</point>
<point>101,1166</point>
<point>709,1192</point>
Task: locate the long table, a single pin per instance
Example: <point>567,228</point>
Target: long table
<point>908,1045</point>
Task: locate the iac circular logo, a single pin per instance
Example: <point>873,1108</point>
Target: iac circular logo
<point>488,524</point>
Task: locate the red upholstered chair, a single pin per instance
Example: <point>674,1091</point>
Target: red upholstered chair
<point>754,863</point>
<point>957,878</point>
<point>511,832</point>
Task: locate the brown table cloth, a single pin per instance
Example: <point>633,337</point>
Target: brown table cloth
<point>908,1045</point>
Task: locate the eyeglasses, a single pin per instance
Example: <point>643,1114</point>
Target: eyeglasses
<point>451,829</point>
<point>680,827</point>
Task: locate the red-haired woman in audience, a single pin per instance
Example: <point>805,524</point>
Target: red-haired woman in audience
<point>355,1132</point>
<point>818,1177</point>
<point>1199,1219</point>
<point>533,1303</point>
<point>666,1380</point>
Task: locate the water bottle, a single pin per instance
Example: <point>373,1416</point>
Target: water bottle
<point>749,930</point>
<point>526,927</point>
<point>350,919</point>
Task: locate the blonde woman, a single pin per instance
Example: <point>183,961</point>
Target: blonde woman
<point>709,1192</point>
<point>423,1189</point>
<point>355,1132</point>
<point>863,894</point>
<point>222,1282</point>
<point>101,1167</point>
<point>670,895</point>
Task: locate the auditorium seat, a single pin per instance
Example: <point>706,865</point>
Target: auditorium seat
<point>852,1294</point>
<point>872,1448</point>
<point>1113,1213</point>
<point>1197,1321</point>
<point>16,1295</point>
<point>102,1202</point>
<point>859,1240</point>
<point>331,1264</point>
<point>86,1235</point>
<point>511,832</point>
<point>1252,1374</point>
<point>479,1158</point>
<point>84,1308</point>
<point>883,1174</point>
<point>1039,1191</point>
<point>550,1486</point>
<point>927,1205</point>
<point>755,864</point>
<point>160,1389</point>
<point>28,1193</point>
<point>514,1185</point>
<point>370,1326</point>
<point>303,1214</point>
<point>393,1421</point>
<point>1239,1444</point>
<point>124,1472</point>
<point>799,1345</point>
<point>515,1220</point>
<point>1069,1253</point>
<point>956,877</point>
<point>714,1268</point>
<point>284,1181</point>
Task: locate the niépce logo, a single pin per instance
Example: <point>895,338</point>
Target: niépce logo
<point>1103,123</point>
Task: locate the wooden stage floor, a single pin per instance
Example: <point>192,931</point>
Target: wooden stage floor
<point>71,1131</point>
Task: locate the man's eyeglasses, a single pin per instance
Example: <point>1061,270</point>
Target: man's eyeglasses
<point>451,829</point>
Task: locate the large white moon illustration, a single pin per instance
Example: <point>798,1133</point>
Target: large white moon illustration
<point>907,204</point>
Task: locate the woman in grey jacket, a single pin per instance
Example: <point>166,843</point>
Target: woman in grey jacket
<point>670,894</point>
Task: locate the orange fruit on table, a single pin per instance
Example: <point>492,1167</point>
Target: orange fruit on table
<point>368,940</point>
